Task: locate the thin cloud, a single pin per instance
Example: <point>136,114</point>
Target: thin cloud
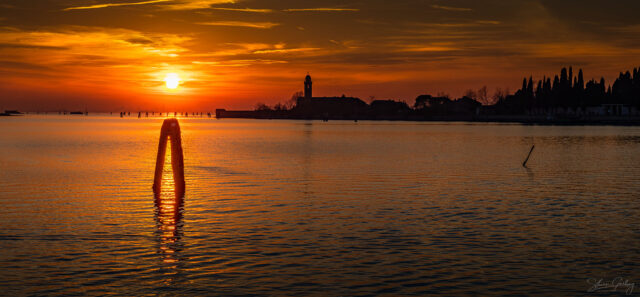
<point>244,9</point>
<point>489,22</point>
<point>262,25</point>
<point>31,46</point>
<point>627,29</point>
<point>138,40</point>
<point>105,5</point>
<point>286,50</point>
<point>239,63</point>
<point>22,65</point>
<point>451,8</point>
<point>196,4</point>
<point>325,9</point>
<point>428,49</point>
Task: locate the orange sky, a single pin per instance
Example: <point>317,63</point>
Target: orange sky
<point>113,55</point>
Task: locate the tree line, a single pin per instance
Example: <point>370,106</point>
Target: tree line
<point>569,91</point>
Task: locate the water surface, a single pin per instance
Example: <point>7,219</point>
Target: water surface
<point>314,208</point>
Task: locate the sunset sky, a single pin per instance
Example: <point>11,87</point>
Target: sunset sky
<point>112,55</point>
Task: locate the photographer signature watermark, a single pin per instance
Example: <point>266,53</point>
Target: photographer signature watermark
<point>617,284</point>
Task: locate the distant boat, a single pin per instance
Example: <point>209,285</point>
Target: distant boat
<point>77,112</point>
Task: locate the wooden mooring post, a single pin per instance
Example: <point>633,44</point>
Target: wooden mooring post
<point>170,130</point>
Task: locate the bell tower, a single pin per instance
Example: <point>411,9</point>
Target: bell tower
<point>307,87</point>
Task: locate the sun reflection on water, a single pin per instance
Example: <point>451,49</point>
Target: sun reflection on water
<point>168,213</point>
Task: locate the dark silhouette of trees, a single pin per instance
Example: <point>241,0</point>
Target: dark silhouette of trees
<point>262,107</point>
<point>471,94</point>
<point>622,89</point>
<point>428,105</point>
<point>389,109</point>
<point>296,95</point>
<point>499,95</point>
<point>293,100</point>
<point>569,92</point>
<point>280,107</point>
<point>483,96</point>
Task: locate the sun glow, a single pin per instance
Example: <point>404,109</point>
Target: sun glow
<point>172,80</point>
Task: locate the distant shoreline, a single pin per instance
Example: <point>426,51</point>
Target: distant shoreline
<point>286,115</point>
<point>516,119</point>
<point>564,101</point>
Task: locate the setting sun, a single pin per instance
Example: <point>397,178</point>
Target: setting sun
<point>172,80</point>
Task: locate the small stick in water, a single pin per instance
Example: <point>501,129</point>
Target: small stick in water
<point>524,164</point>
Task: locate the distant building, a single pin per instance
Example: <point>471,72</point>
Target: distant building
<point>308,90</point>
<point>327,107</point>
<point>612,110</point>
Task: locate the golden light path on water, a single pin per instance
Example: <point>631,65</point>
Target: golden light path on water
<point>169,208</point>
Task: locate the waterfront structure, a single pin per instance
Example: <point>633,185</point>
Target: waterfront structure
<point>308,88</point>
<point>308,106</point>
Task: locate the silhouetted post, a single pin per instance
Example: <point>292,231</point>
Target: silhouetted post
<point>170,129</point>
<point>524,164</point>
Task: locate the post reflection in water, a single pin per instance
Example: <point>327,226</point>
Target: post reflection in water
<point>169,202</point>
<point>168,213</point>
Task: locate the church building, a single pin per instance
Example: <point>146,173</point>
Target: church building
<point>308,92</point>
<point>327,106</point>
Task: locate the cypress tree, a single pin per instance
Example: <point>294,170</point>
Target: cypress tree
<point>570,76</point>
<point>580,84</point>
<point>539,89</point>
<point>563,77</point>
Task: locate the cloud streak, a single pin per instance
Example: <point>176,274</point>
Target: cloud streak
<point>286,50</point>
<point>177,5</point>
<point>451,8</point>
<point>258,25</point>
<point>105,5</point>
<point>196,4</point>
<point>321,9</point>
<point>243,9</point>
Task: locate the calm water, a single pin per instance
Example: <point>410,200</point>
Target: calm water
<point>312,208</point>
